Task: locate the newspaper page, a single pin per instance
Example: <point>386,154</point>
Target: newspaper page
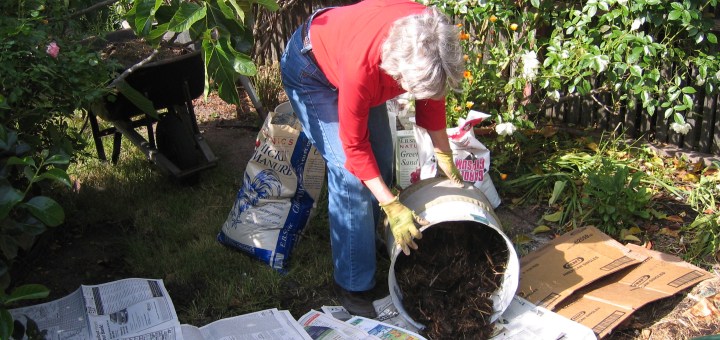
<point>524,320</point>
<point>337,312</point>
<point>131,309</point>
<point>383,330</point>
<point>325,327</point>
<point>266,324</point>
<point>64,318</point>
<point>388,313</point>
<point>126,309</point>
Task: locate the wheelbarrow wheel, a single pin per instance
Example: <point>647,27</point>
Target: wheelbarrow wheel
<point>176,141</point>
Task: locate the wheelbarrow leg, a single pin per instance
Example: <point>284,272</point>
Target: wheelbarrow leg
<point>262,112</point>
<point>117,141</point>
<point>95,127</point>
<point>151,134</point>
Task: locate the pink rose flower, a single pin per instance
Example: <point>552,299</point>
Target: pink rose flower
<point>53,49</point>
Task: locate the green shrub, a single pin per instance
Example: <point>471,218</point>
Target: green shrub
<point>523,56</point>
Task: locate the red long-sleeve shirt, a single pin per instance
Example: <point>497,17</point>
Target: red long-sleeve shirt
<point>347,43</point>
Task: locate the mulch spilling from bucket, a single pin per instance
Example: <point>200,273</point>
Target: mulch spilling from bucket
<point>448,282</point>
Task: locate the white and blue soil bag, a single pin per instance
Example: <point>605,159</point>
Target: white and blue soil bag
<point>281,186</point>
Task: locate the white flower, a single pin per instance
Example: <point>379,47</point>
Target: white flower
<point>681,128</point>
<point>554,95</point>
<point>530,65</point>
<point>505,129</point>
<point>601,61</point>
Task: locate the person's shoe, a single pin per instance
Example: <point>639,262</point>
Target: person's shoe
<point>356,303</point>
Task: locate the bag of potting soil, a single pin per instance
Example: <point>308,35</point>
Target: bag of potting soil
<point>471,156</point>
<point>281,185</point>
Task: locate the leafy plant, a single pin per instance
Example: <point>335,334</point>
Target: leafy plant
<point>268,85</point>
<point>45,81</point>
<point>25,211</point>
<point>589,183</point>
<point>525,55</point>
<point>704,238</point>
<point>614,196</point>
<point>219,26</point>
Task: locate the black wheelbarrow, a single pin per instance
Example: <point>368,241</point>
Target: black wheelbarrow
<point>175,145</point>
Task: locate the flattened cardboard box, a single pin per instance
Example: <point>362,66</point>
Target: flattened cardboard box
<point>571,261</point>
<point>604,304</point>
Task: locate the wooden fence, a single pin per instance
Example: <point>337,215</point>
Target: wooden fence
<point>703,139</point>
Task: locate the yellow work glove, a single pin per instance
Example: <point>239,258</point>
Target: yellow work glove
<point>447,165</point>
<point>402,224</point>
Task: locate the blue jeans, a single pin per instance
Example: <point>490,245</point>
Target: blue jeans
<point>353,210</point>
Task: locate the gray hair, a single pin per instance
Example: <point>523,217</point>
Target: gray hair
<point>422,52</point>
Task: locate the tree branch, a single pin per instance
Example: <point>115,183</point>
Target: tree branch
<point>132,69</point>
<point>90,9</point>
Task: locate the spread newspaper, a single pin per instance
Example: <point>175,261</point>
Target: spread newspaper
<point>266,324</point>
<point>125,309</point>
<point>139,309</point>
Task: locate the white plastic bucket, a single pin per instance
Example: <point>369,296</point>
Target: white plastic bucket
<point>438,201</point>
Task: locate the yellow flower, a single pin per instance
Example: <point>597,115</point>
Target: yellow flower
<point>459,25</point>
<point>493,18</point>
<point>514,27</point>
<point>469,104</point>
<point>457,109</point>
<point>467,75</point>
<point>464,36</point>
<point>466,57</point>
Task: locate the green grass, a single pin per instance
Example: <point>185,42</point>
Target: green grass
<point>173,237</point>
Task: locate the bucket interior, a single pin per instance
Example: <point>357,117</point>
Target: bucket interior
<point>457,273</point>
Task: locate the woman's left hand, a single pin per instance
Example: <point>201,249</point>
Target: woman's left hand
<point>447,164</point>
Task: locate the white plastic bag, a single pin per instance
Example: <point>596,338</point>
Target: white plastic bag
<point>471,156</point>
<point>281,184</point>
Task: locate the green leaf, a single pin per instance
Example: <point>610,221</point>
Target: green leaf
<point>145,15</point>
<point>239,10</point>
<point>157,33</point>
<point>226,11</point>
<point>554,217</point>
<point>711,37</point>
<point>25,161</point>
<point>541,229</point>
<point>137,98</point>
<point>688,90</point>
<point>224,65</point>
<point>674,15</point>
<point>269,4</point>
<point>557,191</point>
<point>9,197</point>
<point>58,159</point>
<point>55,174</point>
<point>28,292</point>
<point>6,324</point>
<point>535,3</point>
<point>188,14</point>
<point>46,210</point>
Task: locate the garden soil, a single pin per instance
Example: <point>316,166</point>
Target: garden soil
<point>95,254</point>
